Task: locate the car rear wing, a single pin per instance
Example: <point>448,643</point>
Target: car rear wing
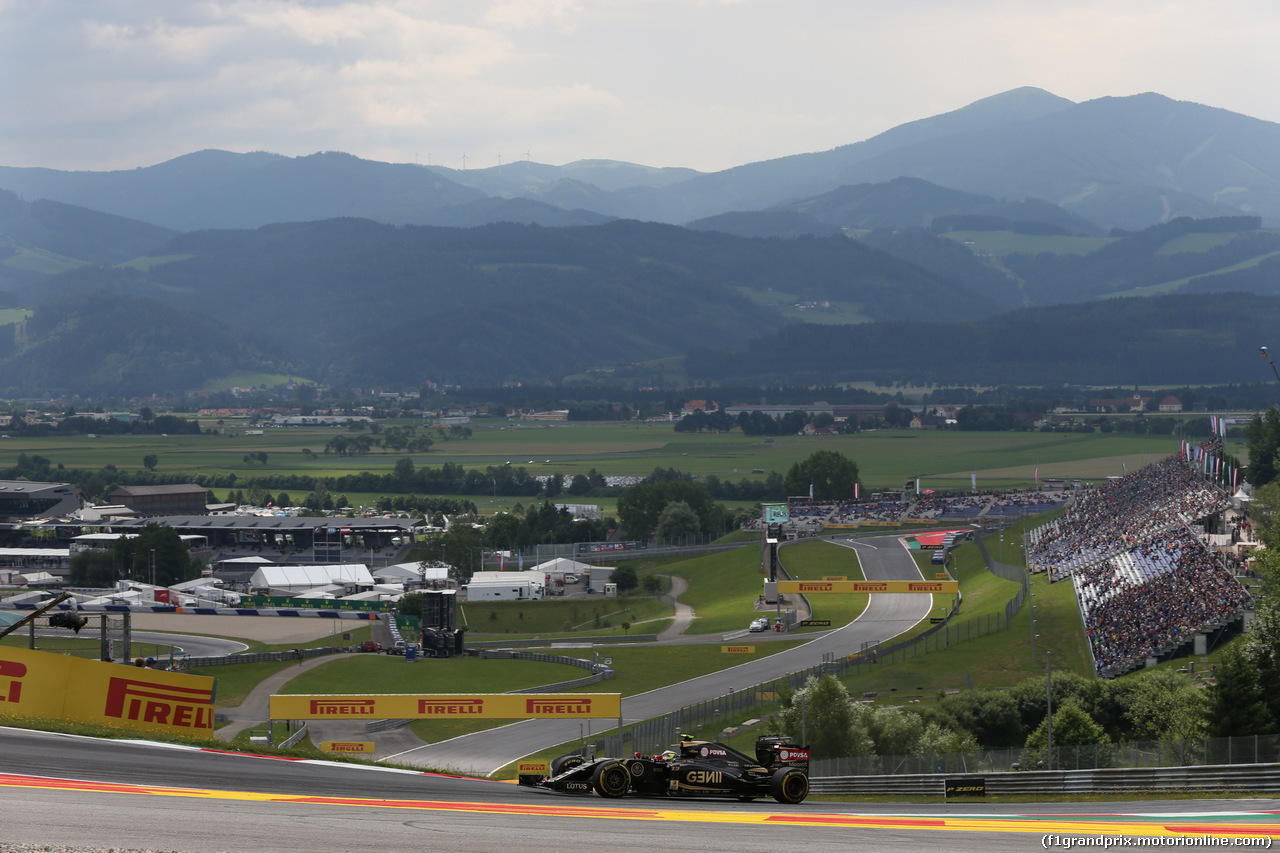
<point>774,751</point>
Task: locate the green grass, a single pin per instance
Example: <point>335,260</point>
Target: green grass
<point>1009,243</point>
<point>251,380</point>
<point>816,559</point>
<point>236,681</point>
<point>1174,285</point>
<point>886,458</point>
<point>147,262</point>
<point>561,616</point>
<point>723,589</point>
<point>41,261</point>
<point>391,674</point>
<point>637,669</point>
<point>1002,658</point>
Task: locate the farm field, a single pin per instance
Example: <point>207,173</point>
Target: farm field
<point>886,458</point>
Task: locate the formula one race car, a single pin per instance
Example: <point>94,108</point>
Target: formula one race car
<point>698,769</point>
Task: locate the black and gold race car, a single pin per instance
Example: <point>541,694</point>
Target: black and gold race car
<point>698,768</point>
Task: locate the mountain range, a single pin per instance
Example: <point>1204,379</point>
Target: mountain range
<point>352,271</point>
<point>1124,162</point>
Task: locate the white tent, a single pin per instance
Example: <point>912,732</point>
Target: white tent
<point>563,565</point>
<point>300,578</point>
<point>400,572</point>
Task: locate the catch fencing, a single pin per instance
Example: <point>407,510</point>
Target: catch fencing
<point>1209,778</point>
<point>1253,749</point>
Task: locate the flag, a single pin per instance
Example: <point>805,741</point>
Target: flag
<point>1037,475</point>
<point>522,561</point>
<point>811,491</point>
<point>973,478</point>
<point>502,562</point>
<point>1123,469</point>
<point>856,491</point>
<point>917,485</point>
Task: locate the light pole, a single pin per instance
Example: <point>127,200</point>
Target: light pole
<point>1263,352</point>
<point>1048,668</point>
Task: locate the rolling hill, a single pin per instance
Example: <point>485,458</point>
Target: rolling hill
<point>1126,162</point>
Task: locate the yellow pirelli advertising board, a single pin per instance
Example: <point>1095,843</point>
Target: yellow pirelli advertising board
<point>846,587</point>
<point>738,650</point>
<point>347,746</point>
<point>44,685</point>
<point>436,706</point>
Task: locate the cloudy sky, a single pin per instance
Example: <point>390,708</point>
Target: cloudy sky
<point>708,84</point>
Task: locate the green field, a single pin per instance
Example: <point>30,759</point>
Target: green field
<point>1009,243</point>
<point>886,458</point>
<point>557,617</point>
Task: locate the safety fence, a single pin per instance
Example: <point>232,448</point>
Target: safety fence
<point>1208,778</point>
<point>1253,749</point>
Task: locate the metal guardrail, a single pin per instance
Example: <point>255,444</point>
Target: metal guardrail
<point>1238,777</point>
<point>258,657</point>
<point>481,645</point>
<point>295,737</point>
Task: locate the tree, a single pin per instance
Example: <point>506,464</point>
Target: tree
<point>150,461</point>
<point>677,521</point>
<point>1167,707</point>
<point>1073,729</point>
<point>652,584</point>
<point>1264,514</point>
<point>820,712</point>
<point>1262,439</point>
<point>832,475</point>
<point>1262,646</point>
<point>640,506</point>
<point>1072,726</point>
<point>93,568</point>
<point>1237,703</point>
<point>172,562</point>
<point>625,578</point>
<point>410,604</point>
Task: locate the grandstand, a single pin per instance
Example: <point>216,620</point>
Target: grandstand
<point>1139,561</point>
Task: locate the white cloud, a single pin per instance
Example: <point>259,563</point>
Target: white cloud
<point>710,84</point>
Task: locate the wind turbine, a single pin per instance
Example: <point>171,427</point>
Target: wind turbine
<point>464,161</point>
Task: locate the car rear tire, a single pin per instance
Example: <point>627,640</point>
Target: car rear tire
<point>789,785</point>
<point>565,762</point>
<point>611,779</point>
